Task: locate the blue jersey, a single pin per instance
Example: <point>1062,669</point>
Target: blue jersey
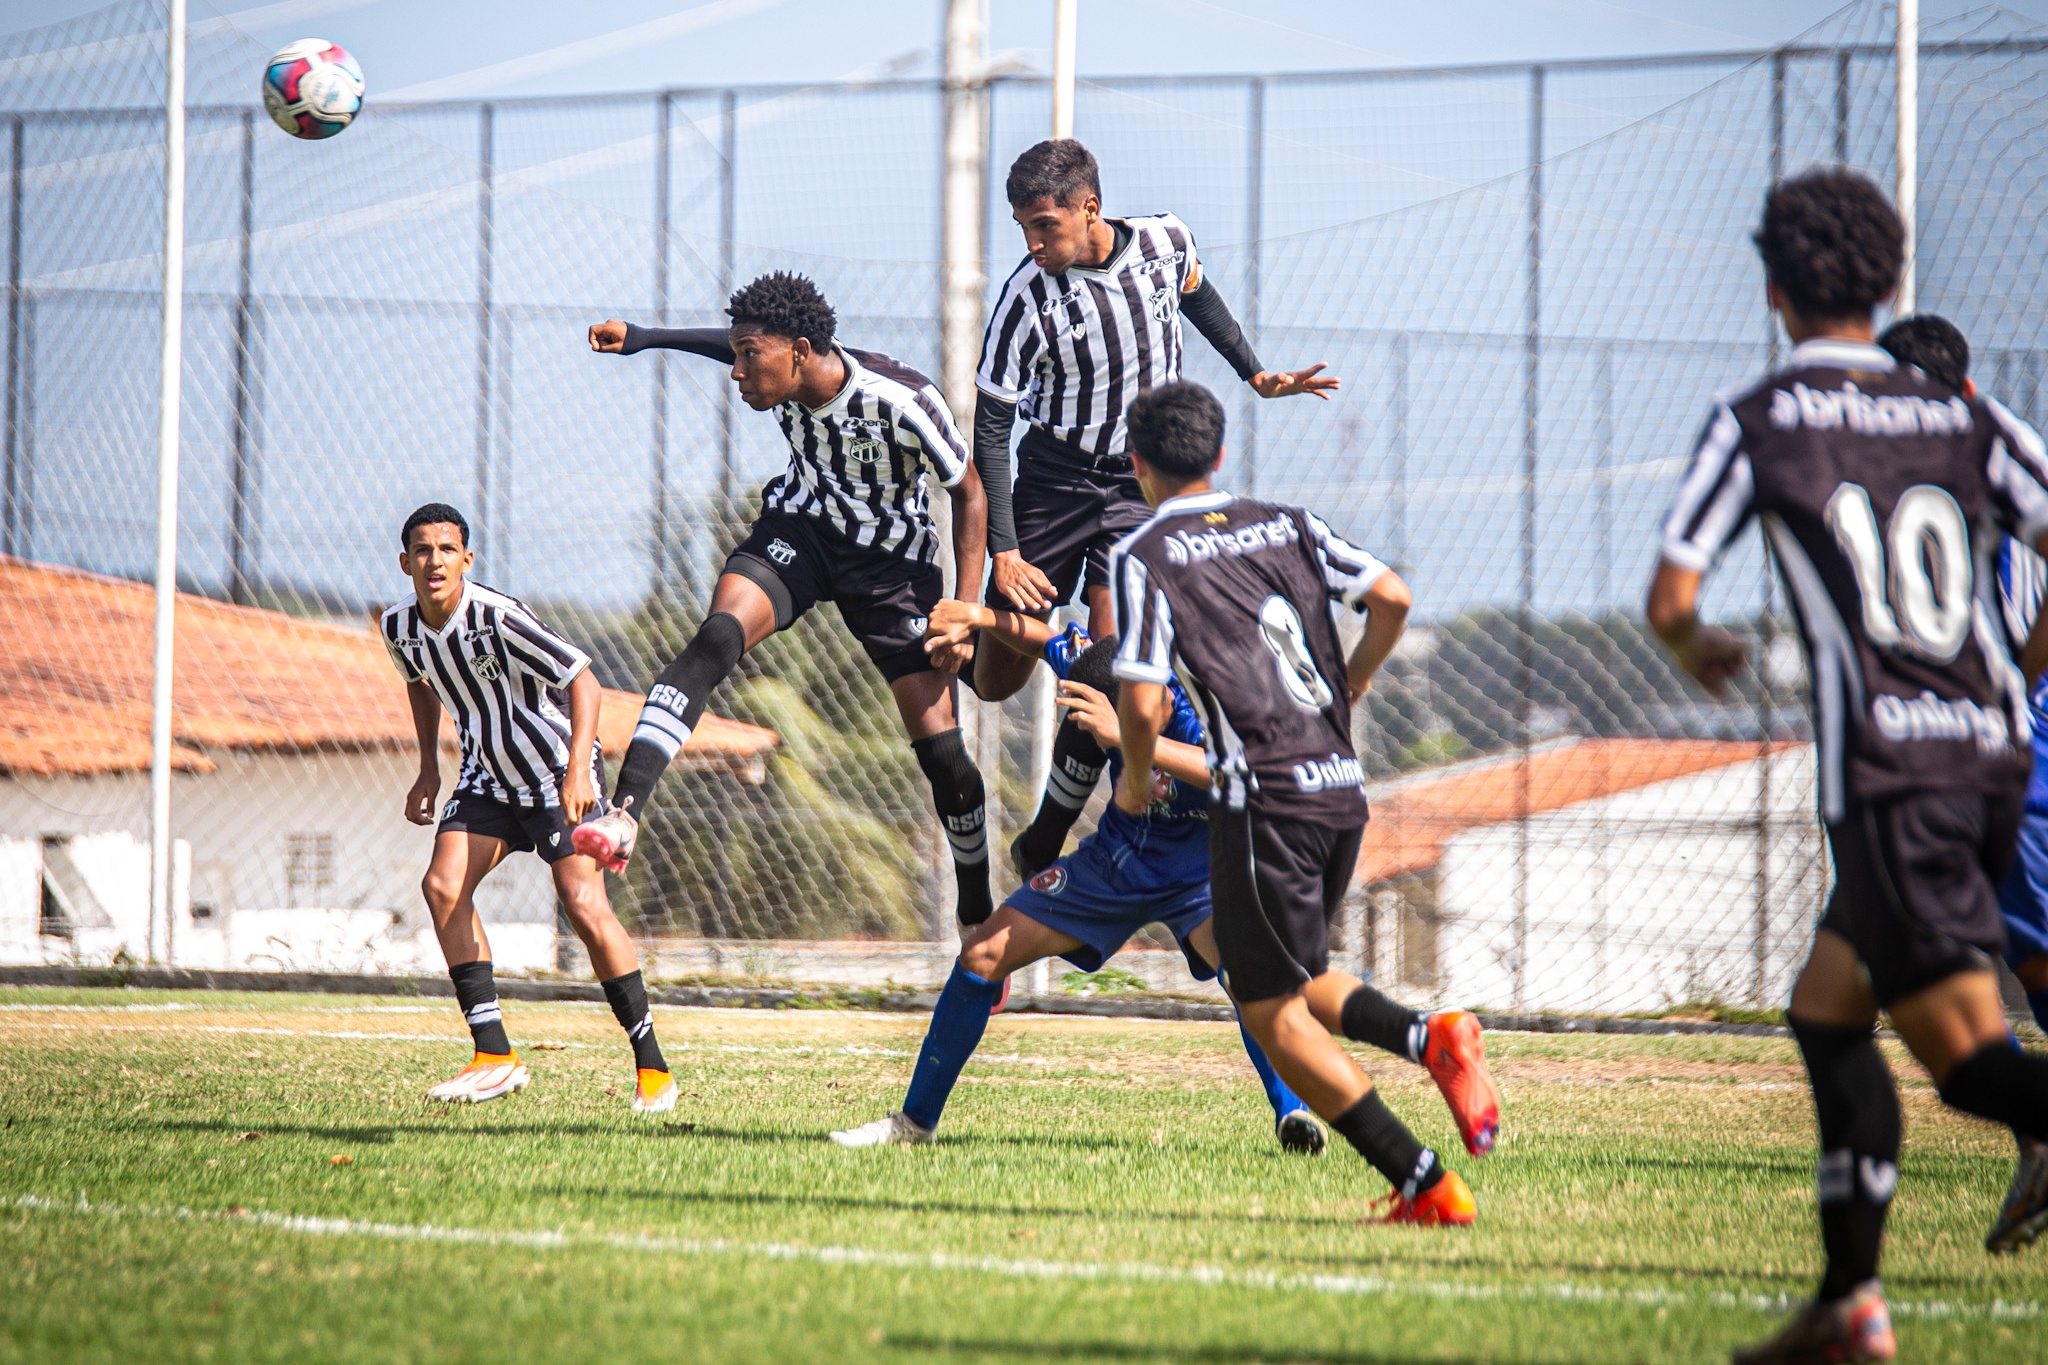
<point>1175,804</point>
<point>2022,581</point>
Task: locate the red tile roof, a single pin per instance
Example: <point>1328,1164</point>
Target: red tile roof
<point>75,683</point>
<point>1414,818</point>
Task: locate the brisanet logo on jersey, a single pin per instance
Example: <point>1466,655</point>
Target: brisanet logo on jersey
<point>1183,547</point>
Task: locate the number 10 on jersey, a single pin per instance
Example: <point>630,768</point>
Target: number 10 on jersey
<point>1923,603</point>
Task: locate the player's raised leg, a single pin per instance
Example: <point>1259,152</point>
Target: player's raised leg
<point>1448,1043</point>
<point>741,616</point>
<point>1006,941</point>
<point>461,861</point>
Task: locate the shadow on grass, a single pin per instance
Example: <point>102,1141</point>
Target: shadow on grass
<point>1119,1350</point>
<point>665,1130</point>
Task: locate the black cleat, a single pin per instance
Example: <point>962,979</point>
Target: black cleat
<point>1299,1132</point>
<point>1026,868</point>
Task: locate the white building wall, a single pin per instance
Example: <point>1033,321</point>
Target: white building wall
<point>1641,901</point>
<point>239,821</point>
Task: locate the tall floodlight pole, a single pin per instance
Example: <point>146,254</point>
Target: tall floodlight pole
<point>170,364</point>
<point>961,283</point>
<point>1908,196</point>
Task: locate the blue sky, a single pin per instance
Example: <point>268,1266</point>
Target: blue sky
<point>505,47</point>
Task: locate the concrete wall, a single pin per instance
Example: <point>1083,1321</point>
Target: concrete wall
<point>1639,902</point>
<point>238,822</point>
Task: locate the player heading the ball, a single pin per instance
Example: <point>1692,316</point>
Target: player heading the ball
<point>847,522</point>
<point>1237,596</point>
<point>1883,492</point>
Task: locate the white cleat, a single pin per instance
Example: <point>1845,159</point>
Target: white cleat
<point>893,1131</point>
<point>485,1078</point>
<point>2025,1214</point>
<point>654,1092</point>
<point>609,839</point>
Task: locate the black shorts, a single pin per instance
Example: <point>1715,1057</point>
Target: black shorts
<point>525,830</point>
<point>1069,517</point>
<point>884,598</point>
<point>1916,885</point>
<point>1275,885</point>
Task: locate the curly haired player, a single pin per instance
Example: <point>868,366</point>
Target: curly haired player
<point>848,523</point>
<point>1883,493</point>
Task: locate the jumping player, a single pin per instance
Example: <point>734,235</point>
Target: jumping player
<point>1879,489</point>
<point>1939,349</point>
<point>529,772</point>
<point>1236,595</point>
<point>1089,320</point>
<point>847,523</point>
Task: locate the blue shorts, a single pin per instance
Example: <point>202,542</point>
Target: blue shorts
<point>2023,898</point>
<point>1115,884</point>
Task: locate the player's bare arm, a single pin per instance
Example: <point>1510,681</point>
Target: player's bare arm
<point>1288,383</point>
<point>586,697</point>
<point>608,336</point>
<point>1142,710</point>
<point>1710,655</point>
<point>970,546</point>
<point>1021,581</point>
<point>1386,605</point>
<point>954,622</point>
<point>1095,713</point>
<point>426,725</point>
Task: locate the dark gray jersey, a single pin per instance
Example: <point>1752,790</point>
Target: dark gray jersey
<point>1884,497</point>
<point>1238,595</point>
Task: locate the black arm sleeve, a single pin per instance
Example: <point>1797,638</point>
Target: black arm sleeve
<point>992,420</point>
<point>1211,315</point>
<point>710,342</point>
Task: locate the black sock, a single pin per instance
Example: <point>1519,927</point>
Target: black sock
<point>1077,762</point>
<point>2001,1083</point>
<point>674,705</point>
<point>628,997</point>
<point>477,993</point>
<point>962,804</point>
<point>1371,1128</point>
<point>1369,1017</point>
<point>1857,1104</point>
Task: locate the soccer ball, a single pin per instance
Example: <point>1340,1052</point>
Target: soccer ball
<point>312,89</point>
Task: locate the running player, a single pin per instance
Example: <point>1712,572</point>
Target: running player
<point>1237,595</point>
<point>847,523</point>
<point>1879,489</point>
<point>1939,349</point>
<point>529,772</point>
<point>1089,320</point>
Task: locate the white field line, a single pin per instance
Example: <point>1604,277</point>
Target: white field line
<point>943,1262</point>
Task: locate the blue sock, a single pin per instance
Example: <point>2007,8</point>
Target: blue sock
<point>958,1021</point>
<point>2038,1003</point>
<point>1283,1100</point>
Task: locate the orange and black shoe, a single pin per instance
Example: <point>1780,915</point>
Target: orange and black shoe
<point>1853,1329</point>
<point>1448,1203</point>
<point>1456,1057</point>
<point>654,1092</point>
<point>487,1076</point>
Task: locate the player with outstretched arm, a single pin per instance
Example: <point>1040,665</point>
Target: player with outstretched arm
<point>848,522</point>
<point>525,707</point>
<point>1237,596</point>
<point>1883,495</point>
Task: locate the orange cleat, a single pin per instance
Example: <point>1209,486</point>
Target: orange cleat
<point>487,1076</point>
<point>1448,1203</point>
<point>654,1092</point>
<point>1456,1057</point>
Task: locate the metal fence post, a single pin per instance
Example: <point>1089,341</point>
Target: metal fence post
<point>1760,949</point>
<point>728,211</point>
<point>664,119</point>
<point>1399,403</point>
<point>239,589</point>
<point>1842,108</point>
<point>484,223</point>
<point>1255,206</point>
<point>9,533</point>
<point>1532,399</point>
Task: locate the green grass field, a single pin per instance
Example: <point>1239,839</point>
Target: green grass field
<point>232,1178</point>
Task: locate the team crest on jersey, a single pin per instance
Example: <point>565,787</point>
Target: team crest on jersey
<point>1050,882</point>
<point>866,438</point>
<point>1160,305</point>
<point>781,551</point>
<point>918,624</point>
<point>485,666</point>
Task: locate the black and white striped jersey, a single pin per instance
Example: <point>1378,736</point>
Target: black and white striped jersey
<point>1239,595</point>
<point>859,463</point>
<point>501,675</point>
<point>1072,351</point>
<point>1884,497</point>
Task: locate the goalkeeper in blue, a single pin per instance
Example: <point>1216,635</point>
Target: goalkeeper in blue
<point>1133,871</point>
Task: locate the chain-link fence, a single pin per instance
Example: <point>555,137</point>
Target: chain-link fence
<point>1531,279</point>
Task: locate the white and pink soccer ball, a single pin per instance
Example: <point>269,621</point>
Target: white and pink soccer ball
<point>312,89</point>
